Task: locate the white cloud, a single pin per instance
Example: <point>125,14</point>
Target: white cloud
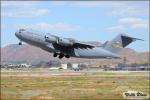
<point>18,3</point>
<point>135,23</point>
<point>59,3</point>
<point>22,9</point>
<point>57,27</point>
<point>25,13</point>
<point>119,27</point>
<point>91,4</point>
<point>141,26</point>
<point>113,8</point>
<point>131,9</point>
<point>132,20</point>
<point>86,3</point>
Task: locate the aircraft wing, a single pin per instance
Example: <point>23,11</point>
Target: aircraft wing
<point>67,42</point>
<point>82,45</point>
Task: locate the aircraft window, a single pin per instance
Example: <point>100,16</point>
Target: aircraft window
<point>60,40</point>
<point>46,37</point>
<point>22,30</point>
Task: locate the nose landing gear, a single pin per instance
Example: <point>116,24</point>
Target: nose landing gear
<point>20,43</point>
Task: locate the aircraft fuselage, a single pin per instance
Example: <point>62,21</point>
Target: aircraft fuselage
<point>38,39</point>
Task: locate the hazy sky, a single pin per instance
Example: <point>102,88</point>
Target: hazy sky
<point>82,20</point>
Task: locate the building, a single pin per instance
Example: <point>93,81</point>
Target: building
<point>64,66</point>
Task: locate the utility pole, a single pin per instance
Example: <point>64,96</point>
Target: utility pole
<point>124,61</point>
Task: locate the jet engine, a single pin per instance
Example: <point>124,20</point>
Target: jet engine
<point>51,39</point>
<point>64,42</point>
<point>60,41</point>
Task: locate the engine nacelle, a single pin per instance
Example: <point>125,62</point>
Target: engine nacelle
<point>64,42</point>
<point>51,39</point>
<point>60,41</point>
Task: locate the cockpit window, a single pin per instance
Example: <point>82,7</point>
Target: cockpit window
<point>22,30</point>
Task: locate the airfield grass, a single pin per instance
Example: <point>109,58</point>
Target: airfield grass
<point>121,73</point>
<point>71,87</point>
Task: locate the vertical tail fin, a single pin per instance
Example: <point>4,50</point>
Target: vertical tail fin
<point>119,42</point>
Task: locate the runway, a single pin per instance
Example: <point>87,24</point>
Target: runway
<point>77,74</point>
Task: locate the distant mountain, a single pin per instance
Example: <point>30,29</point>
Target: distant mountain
<point>14,53</point>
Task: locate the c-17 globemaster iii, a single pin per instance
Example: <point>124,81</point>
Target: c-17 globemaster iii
<point>68,47</point>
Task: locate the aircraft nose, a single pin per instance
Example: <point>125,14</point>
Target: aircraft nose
<point>17,33</point>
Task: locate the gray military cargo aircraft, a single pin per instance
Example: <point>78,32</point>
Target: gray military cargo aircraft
<point>68,47</point>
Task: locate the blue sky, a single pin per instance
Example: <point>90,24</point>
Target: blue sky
<point>82,20</point>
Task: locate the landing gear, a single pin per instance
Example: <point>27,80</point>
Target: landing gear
<point>20,43</point>
<point>67,56</point>
<point>61,55</point>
